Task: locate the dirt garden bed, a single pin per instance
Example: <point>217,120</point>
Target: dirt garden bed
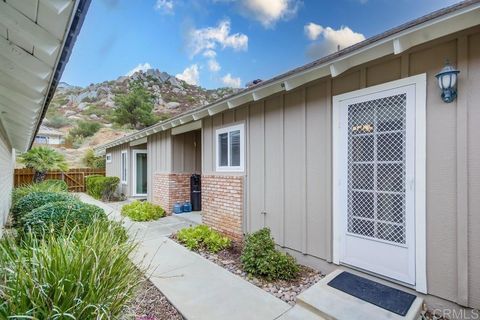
<point>288,291</point>
<point>150,304</point>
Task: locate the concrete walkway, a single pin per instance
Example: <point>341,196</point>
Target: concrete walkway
<point>198,288</point>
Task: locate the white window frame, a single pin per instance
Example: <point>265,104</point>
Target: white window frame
<point>108,158</point>
<point>134,169</point>
<point>229,168</point>
<point>419,180</point>
<point>124,169</point>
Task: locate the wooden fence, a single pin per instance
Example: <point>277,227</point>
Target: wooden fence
<point>75,178</point>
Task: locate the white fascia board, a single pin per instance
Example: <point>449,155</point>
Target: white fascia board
<point>268,90</point>
<point>200,114</point>
<point>186,119</point>
<point>58,6</point>
<point>187,127</point>
<point>238,101</point>
<point>27,29</point>
<point>304,77</point>
<point>166,126</point>
<point>23,59</point>
<point>434,31</point>
<point>175,123</point>
<point>138,142</point>
<point>217,108</point>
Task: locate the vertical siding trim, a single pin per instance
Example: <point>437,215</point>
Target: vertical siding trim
<point>462,173</point>
<point>363,77</point>
<point>405,65</point>
<point>329,168</point>
<point>283,172</point>
<point>264,206</point>
<point>305,172</point>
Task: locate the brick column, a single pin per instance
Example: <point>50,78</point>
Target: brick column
<point>168,188</point>
<point>222,204</point>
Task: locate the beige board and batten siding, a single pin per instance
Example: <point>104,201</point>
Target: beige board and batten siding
<point>113,168</point>
<point>187,152</point>
<point>6,177</point>
<point>289,152</point>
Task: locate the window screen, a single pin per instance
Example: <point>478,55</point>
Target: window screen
<point>376,168</point>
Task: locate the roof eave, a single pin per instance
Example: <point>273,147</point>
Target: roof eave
<point>395,41</point>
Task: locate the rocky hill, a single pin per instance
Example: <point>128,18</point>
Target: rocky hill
<point>96,103</point>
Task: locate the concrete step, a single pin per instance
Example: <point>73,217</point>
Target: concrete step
<point>299,312</point>
<point>330,303</point>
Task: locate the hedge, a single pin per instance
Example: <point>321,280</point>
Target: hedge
<point>56,216</point>
<point>101,187</point>
<point>47,186</point>
<point>35,200</point>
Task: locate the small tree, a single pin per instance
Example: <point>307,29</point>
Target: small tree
<point>43,159</point>
<point>92,161</point>
<point>135,108</point>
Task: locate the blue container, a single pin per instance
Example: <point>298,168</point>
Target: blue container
<point>187,206</point>
<point>177,208</point>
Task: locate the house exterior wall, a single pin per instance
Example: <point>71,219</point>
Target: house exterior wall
<point>222,200</point>
<point>113,168</point>
<point>169,188</point>
<point>289,161</point>
<point>159,153</point>
<point>186,152</point>
<point>6,177</point>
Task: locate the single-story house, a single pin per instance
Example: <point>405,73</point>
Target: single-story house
<point>36,39</point>
<point>358,160</point>
<point>49,136</point>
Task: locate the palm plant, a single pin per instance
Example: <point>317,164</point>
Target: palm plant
<point>43,159</point>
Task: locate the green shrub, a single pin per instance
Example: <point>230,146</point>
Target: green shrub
<point>35,200</point>
<point>80,275</point>
<point>101,187</point>
<point>92,161</point>
<point>47,185</point>
<point>260,258</point>
<point>203,237</point>
<point>57,121</point>
<point>142,211</point>
<point>56,217</point>
<point>85,128</point>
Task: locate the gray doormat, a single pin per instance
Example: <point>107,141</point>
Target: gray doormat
<point>382,296</point>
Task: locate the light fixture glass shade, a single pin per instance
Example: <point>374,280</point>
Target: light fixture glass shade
<point>447,80</point>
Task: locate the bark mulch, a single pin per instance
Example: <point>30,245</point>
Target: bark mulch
<point>150,304</point>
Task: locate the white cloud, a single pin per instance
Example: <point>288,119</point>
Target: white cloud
<point>268,12</point>
<point>213,65</point>
<point>164,6</point>
<point>140,67</point>
<point>332,39</point>
<point>207,39</point>
<point>313,30</point>
<point>190,75</point>
<point>210,54</point>
<point>230,81</point>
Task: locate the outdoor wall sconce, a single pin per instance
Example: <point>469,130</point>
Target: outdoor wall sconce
<point>447,81</point>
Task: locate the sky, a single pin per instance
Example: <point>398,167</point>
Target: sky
<point>217,43</point>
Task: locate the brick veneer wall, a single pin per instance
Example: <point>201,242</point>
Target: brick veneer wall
<point>222,204</point>
<point>168,188</point>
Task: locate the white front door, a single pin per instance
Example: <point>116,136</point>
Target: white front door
<point>375,172</point>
